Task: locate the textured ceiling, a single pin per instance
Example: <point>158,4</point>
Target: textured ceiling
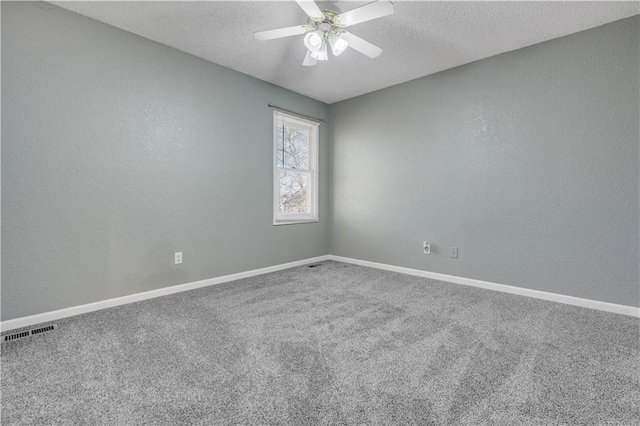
<point>420,38</point>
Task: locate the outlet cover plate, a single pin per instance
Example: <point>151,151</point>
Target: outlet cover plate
<point>426,246</point>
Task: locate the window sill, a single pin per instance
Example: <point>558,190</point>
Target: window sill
<point>295,222</point>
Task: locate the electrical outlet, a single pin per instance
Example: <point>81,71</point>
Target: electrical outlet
<point>177,257</point>
<point>426,247</point>
<point>453,252</point>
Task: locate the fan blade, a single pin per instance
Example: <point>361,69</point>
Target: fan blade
<point>365,13</point>
<point>310,8</point>
<point>279,32</point>
<point>361,45</point>
<point>309,60</point>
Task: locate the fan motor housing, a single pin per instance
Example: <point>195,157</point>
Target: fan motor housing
<point>329,18</point>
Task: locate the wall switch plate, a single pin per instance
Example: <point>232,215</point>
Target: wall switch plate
<point>426,247</point>
<point>177,257</point>
<point>453,252</point>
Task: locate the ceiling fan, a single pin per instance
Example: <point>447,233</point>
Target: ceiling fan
<point>326,27</point>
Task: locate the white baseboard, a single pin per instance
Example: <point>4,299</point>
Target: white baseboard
<point>103,304</point>
<point>536,294</point>
<point>95,306</point>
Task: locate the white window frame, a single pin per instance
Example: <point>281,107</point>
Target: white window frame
<point>314,133</point>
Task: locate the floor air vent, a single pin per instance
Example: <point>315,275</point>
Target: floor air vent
<point>43,329</point>
<point>27,333</point>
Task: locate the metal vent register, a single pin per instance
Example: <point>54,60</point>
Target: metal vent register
<point>26,333</point>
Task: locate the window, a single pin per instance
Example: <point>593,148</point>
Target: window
<point>295,189</point>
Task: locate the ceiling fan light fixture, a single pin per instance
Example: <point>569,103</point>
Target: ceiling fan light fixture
<point>326,27</point>
<point>321,54</point>
<point>338,44</point>
<point>309,60</point>
<point>314,40</point>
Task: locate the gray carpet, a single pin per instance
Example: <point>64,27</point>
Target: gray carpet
<point>334,344</point>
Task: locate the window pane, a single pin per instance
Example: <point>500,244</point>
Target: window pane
<point>293,146</point>
<point>296,174</point>
<point>294,192</point>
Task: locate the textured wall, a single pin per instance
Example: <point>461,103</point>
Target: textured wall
<point>527,161</point>
<point>118,151</point>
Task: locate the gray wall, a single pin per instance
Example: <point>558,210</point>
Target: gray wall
<point>528,162</point>
<point>118,151</point>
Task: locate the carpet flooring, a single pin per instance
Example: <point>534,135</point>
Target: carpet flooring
<point>332,344</point>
